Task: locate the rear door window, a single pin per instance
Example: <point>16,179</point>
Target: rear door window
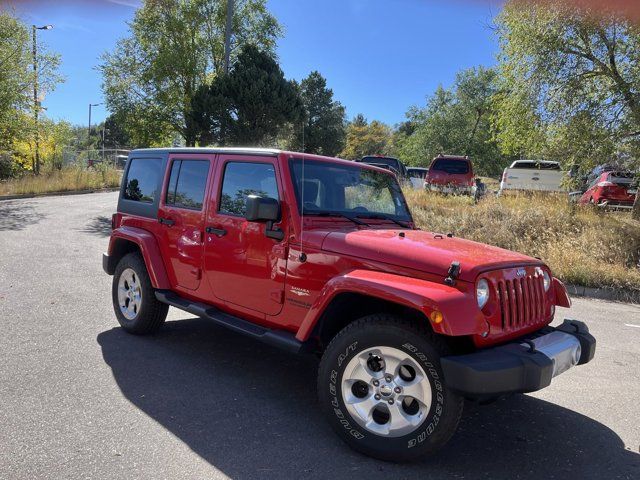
<point>142,179</point>
<point>187,183</point>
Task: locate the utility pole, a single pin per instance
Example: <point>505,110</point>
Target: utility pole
<point>89,130</point>
<point>36,104</point>
<point>227,35</point>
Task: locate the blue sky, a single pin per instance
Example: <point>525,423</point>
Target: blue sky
<point>379,56</point>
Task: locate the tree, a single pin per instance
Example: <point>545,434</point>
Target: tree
<point>175,47</point>
<point>364,138</point>
<point>16,80</point>
<point>573,61</point>
<point>249,106</point>
<point>323,129</point>
<point>115,136</point>
<point>54,136</point>
<point>459,120</point>
<point>572,64</point>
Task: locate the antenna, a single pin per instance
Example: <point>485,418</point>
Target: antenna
<point>303,256</point>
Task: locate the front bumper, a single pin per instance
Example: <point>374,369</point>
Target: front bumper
<point>526,365</point>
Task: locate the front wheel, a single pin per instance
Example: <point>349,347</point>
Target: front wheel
<point>381,385</point>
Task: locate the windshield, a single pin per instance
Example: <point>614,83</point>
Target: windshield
<point>451,166</point>
<point>332,188</point>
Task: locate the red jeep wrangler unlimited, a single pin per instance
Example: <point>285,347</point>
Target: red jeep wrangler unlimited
<point>321,255</point>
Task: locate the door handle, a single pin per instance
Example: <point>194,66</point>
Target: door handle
<point>166,221</point>
<point>219,232</point>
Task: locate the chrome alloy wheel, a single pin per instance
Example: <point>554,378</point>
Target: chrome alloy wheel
<point>386,391</point>
<point>129,293</point>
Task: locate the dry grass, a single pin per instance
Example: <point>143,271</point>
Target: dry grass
<point>65,180</point>
<point>581,245</point>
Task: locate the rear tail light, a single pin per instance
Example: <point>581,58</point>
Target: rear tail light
<point>504,175</point>
<point>113,221</point>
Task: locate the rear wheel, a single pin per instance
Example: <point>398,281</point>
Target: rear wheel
<point>381,386</point>
<point>134,301</point>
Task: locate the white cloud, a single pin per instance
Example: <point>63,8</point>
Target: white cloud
<point>127,3</point>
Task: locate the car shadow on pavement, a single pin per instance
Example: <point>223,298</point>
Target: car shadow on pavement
<point>100,226</point>
<point>250,411</point>
<point>18,215</point>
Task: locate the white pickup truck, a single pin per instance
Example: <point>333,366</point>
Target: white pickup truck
<point>539,175</point>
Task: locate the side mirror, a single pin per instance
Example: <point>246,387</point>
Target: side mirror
<point>262,209</point>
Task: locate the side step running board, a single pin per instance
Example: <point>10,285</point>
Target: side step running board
<point>278,338</point>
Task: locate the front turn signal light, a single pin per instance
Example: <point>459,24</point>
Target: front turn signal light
<point>436,317</point>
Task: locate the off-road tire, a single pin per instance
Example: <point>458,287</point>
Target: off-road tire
<point>425,348</point>
<point>152,313</point>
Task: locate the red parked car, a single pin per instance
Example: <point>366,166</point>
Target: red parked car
<point>322,256</point>
<point>612,190</point>
<point>451,174</point>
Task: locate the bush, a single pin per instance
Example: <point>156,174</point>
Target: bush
<point>8,167</point>
<point>583,246</point>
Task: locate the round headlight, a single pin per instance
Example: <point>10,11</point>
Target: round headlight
<point>546,280</point>
<point>482,293</point>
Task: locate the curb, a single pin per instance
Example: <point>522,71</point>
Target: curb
<point>57,194</point>
<point>605,293</point>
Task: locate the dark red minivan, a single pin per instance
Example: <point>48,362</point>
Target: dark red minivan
<point>451,174</point>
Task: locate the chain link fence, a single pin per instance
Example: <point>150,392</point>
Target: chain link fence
<point>115,157</point>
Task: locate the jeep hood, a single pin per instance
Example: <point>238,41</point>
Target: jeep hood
<point>424,251</point>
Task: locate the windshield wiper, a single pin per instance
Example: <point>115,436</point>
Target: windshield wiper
<point>334,214</point>
<point>381,216</point>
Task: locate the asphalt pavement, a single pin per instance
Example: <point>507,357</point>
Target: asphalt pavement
<point>79,398</point>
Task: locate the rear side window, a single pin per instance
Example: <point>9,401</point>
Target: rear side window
<point>451,166</point>
<point>531,165</point>
<point>621,178</point>
<point>187,183</point>
<point>142,180</point>
<point>525,165</point>
<point>242,179</point>
<point>549,166</point>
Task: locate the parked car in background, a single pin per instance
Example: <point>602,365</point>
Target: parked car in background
<point>532,175</point>
<point>417,176</point>
<point>451,174</point>
<point>391,163</point>
<point>613,189</point>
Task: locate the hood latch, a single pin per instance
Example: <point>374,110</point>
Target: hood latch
<point>452,273</point>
